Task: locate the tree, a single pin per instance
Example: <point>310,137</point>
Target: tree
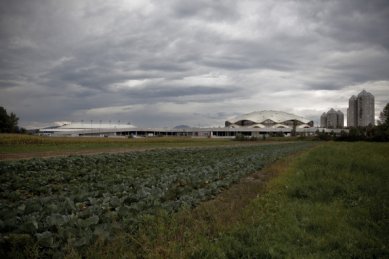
<point>8,123</point>
<point>384,116</point>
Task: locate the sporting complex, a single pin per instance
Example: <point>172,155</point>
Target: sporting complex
<point>254,124</point>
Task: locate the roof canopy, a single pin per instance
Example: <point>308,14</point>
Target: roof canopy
<point>263,116</point>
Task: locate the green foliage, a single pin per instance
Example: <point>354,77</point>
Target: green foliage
<point>378,133</point>
<point>77,200</point>
<point>331,203</point>
<point>8,122</point>
<point>384,116</point>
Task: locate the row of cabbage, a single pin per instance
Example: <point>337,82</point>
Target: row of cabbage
<point>77,199</point>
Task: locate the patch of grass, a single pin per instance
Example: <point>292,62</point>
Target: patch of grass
<point>332,202</point>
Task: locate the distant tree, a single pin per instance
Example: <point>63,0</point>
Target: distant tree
<point>384,116</point>
<point>8,123</point>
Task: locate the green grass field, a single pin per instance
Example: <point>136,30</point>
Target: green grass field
<point>331,202</point>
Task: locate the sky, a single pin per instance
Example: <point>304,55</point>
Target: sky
<point>197,63</point>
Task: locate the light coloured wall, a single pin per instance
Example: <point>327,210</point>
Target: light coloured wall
<point>365,110</point>
<point>352,112</point>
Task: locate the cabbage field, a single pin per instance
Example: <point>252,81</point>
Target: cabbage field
<point>76,200</point>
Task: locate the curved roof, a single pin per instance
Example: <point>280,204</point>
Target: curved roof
<point>275,116</point>
<point>331,111</point>
<point>364,93</point>
<point>82,126</point>
<point>94,125</point>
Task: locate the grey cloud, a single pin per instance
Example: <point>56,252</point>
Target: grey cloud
<point>163,65</point>
<point>210,10</point>
<point>177,91</point>
<point>59,58</point>
<point>355,21</point>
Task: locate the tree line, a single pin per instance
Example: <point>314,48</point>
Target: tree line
<point>9,122</point>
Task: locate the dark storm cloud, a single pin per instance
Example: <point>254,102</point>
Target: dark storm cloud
<point>78,58</point>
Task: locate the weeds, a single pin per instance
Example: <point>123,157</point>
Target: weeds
<point>332,202</point>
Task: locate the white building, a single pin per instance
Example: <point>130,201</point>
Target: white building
<point>269,119</point>
<point>332,119</point>
<point>79,128</point>
<point>360,112</point>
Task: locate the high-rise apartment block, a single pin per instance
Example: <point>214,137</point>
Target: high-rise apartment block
<point>360,112</point>
<point>332,119</point>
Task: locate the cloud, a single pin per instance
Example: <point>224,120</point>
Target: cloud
<point>188,62</point>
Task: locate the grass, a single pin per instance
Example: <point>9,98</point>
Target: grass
<point>331,202</point>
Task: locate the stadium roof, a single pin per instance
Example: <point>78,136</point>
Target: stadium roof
<point>262,116</point>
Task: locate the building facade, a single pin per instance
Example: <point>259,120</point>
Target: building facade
<point>360,112</point>
<point>332,119</point>
<point>340,117</point>
<point>269,119</point>
<point>352,112</point>
<point>323,120</point>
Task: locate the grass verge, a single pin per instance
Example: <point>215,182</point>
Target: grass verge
<point>331,202</point>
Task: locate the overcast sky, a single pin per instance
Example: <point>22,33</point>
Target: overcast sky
<point>195,62</point>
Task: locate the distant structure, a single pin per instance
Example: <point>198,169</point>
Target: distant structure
<point>360,112</point>
<point>332,119</point>
<point>269,120</point>
<point>78,128</point>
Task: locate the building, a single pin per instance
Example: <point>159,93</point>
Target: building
<point>323,120</point>
<point>340,119</point>
<point>365,102</point>
<point>352,113</point>
<point>332,119</point>
<point>360,112</point>
<point>255,124</point>
<point>269,119</point>
<point>79,128</point>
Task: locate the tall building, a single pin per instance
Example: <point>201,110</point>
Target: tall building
<point>360,112</point>
<point>352,112</point>
<point>332,119</point>
<point>323,120</point>
<point>340,117</point>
